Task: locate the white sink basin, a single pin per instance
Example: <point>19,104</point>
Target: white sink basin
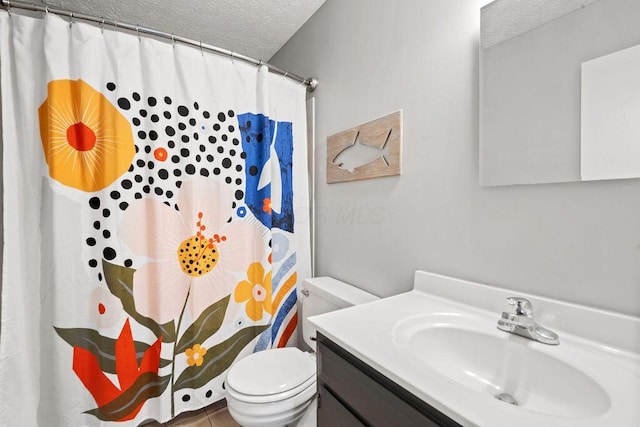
<point>479,356</point>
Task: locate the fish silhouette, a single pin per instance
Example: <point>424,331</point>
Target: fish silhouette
<point>358,154</point>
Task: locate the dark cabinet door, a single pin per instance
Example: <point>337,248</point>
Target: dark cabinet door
<point>365,396</point>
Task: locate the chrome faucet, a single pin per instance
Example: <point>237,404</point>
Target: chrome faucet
<point>521,322</point>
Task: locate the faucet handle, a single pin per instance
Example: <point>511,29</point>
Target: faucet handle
<point>523,306</point>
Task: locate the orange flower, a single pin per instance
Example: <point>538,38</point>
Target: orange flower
<point>256,291</point>
<point>87,142</point>
<point>195,355</point>
<point>160,154</point>
<point>266,205</point>
<point>104,391</point>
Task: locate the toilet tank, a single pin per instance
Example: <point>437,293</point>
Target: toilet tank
<point>324,294</point>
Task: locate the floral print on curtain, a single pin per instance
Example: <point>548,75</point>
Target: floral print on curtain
<point>181,238</point>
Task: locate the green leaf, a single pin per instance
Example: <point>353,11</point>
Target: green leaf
<point>217,359</point>
<point>205,325</point>
<point>102,347</point>
<point>120,282</point>
<point>147,386</point>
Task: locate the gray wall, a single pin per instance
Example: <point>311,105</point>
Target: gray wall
<point>578,242</point>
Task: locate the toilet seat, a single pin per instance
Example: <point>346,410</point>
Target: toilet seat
<point>271,376</point>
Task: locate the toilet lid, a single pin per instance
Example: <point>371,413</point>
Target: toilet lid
<point>271,372</point>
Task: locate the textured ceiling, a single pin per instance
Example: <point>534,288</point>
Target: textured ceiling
<point>504,19</point>
<point>255,28</point>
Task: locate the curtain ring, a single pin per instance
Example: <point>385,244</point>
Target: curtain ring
<point>232,62</point>
<point>9,8</point>
<point>70,19</point>
<point>102,25</point>
<point>46,9</point>
<point>286,73</point>
<point>173,41</point>
<point>138,32</point>
<point>201,51</point>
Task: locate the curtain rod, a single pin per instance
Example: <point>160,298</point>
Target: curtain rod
<point>311,83</point>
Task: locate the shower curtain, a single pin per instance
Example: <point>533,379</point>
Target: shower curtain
<point>155,222</point>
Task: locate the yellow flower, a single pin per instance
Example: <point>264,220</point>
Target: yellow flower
<point>195,355</point>
<point>87,142</point>
<point>256,291</point>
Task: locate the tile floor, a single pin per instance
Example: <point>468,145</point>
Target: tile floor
<point>215,415</point>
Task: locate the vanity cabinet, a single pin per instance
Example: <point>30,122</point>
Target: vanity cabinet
<point>351,393</point>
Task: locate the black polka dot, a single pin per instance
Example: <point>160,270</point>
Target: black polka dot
<point>184,152</point>
<point>243,155</point>
<point>138,196</point>
<point>209,158</point>
<point>248,125</point>
<point>175,159</point>
<point>169,131</point>
<point>96,225</point>
<point>136,121</point>
<point>115,195</point>
<point>208,394</point>
<point>232,152</point>
<point>185,138</point>
<point>183,111</point>
<point>123,206</point>
<point>93,263</point>
<point>167,115</point>
<point>198,158</point>
<point>238,181</point>
<point>182,126</point>
<point>171,144</point>
<point>151,165</point>
<point>152,101</point>
<point>100,277</point>
<point>259,137</point>
<point>212,139</point>
<point>163,174</point>
<point>228,180</point>
<point>135,96</point>
<point>216,171</point>
<point>91,241</point>
<point>253,170</point>
<point>221,117</point>
<point>230,113</point>
<point>109,253</point>
<point>146,189</point>
<point>111,86</point>
<point>216,127</point>
<point>177,172</point>
<point>159,191</point>
<point>138,178</point>
<point>239,194</point>
<point>124,103</point>
<point>153,135</point>
<point>142,134</point>
<point>196,136</point>
<point>169,194</point>
<point>143,113</point>
<point>192,121</point>
<point>106,213</point>
<point>204,172</point>
<point>94,202</point>
<point>236,141</point>
<point>186,398</point>
<point>224,137</point>
<point>131,167</point>
<point>128,263</point>
<point>178,184</point>
<point>155,118</point>
<point>106,234</point>
<point>206,114</point>
<point>195,105</point>
<point>239,168</point>
<point>248,138</point>
<point>137,148</point>
<point>220,149</point>
<point>126,184</point>
<point>147,149</point>
<point>190,169</point>
<point>231,128</point>
<point>140,163</point>
<point>226,163</point>
<point>167,100</point>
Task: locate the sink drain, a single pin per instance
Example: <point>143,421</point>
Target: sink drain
<point>507,398</point>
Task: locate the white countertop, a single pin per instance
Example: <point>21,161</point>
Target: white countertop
<point>372,336</point>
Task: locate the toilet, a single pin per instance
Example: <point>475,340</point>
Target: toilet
<point>277,387</point>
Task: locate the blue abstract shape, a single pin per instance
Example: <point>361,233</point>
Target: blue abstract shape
<point>257,136</point>
<point>286,307</point>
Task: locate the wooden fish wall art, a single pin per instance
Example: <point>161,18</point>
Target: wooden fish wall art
<point>370,150</point>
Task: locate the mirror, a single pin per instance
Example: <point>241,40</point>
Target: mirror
<point>559,91</point>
